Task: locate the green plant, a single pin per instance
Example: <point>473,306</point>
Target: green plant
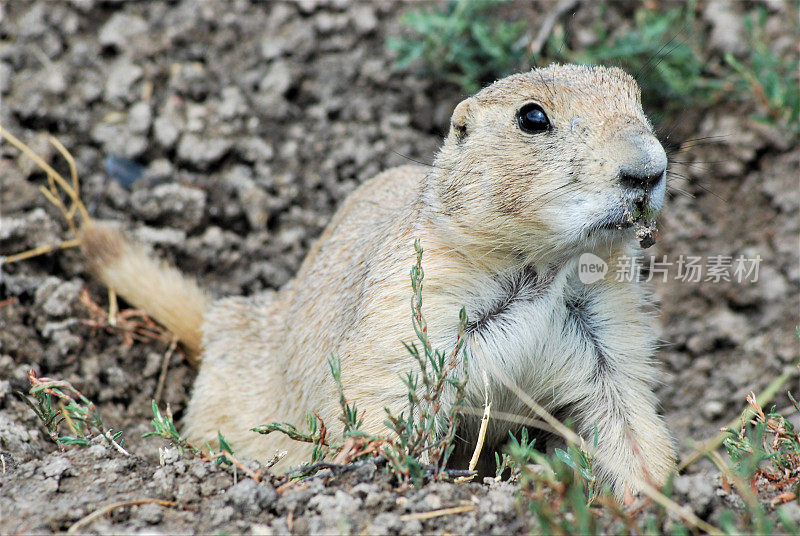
<point>516,456</point>
<point>765,452</point>
<point>468,44</point>
<point>558,490</point>
<point>77,412</point>
<point>164,427</point>
<point>422,435</point>
<point>317,433</point>
<point>766,448</point>
<point>580,461</point>
<point>462,43</point>
<point>771,79</point>
<point>225,455</point>
<point>349,418</point>
<point>425,431</point>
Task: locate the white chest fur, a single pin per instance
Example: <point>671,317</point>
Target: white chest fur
<point>558,340</point>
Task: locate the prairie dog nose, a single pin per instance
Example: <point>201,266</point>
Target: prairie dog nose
<point>642,161</point>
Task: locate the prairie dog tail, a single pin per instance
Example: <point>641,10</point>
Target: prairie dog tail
<point>160,290</point>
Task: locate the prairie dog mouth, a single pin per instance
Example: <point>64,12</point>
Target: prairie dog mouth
<point>641,215</point>
<point>637,211</point>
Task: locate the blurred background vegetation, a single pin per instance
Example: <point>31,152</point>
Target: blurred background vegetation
<point>470,43</point>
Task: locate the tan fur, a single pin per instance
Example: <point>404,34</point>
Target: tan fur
<point>497,206</point>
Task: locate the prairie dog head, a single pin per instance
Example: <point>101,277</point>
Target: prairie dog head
<point>552,160</point>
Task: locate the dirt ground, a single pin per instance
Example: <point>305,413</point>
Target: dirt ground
<point>223,135</point>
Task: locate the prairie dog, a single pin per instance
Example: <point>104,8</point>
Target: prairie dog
<point>537,169</point>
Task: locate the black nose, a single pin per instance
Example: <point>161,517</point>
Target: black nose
<point>635,180</point>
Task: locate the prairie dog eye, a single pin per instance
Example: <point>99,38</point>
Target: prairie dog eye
<point>532,119</point>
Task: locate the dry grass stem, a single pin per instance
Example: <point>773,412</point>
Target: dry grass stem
<point>421,516</point>
<point>41,250</point>
<point>67,419</point>
<point>117,446</point>
<point>484,423</point>
<point>113,307</point>
<point>682,512</point>
<point>510,417</point>
<point>487,411</point>
<point>133,324</point>
<point>56,185</point>
<point>54,177</point>
<point>72,189</point>
<point>75,527</point>
<point>162,377</point>
<point>255,475</point>
<point>741,485</point>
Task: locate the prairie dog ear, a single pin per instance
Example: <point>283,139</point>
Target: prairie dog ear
<point>459,123</point>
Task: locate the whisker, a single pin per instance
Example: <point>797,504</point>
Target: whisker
<point>674,189</point>
<point>711,192</point>
<point>641,70</point>
<point>716,137</point>
<point>410,159</point>
<point>698,162</point>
